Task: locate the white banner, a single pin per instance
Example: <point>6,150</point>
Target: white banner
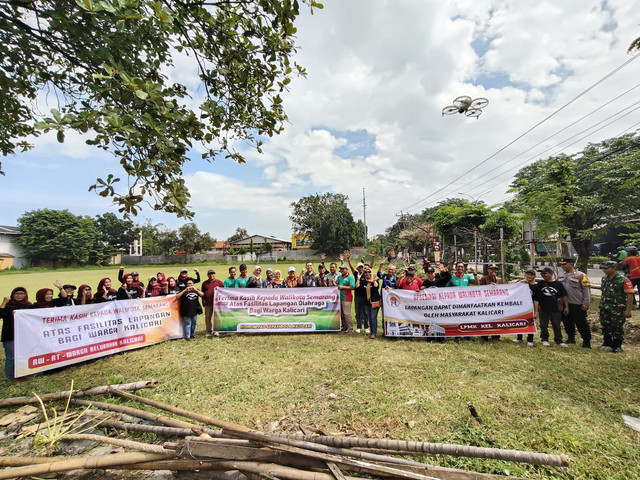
<point>459,311</point>
<point>48,338</point>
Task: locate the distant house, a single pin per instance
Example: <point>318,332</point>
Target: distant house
<point>259,240</point>
<point>11,255</point>
<point>219,247</point>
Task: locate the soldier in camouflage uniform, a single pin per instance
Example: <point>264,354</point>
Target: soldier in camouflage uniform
<point>615,306</point>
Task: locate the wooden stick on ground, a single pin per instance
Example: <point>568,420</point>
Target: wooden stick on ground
<point>65,465</point>
<point>10,402</point>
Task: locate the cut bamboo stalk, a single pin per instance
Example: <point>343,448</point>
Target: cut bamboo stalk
<point>155,429</point>
<point>369,468</point>
<point>335,471</point>
<point>279,471</point>
<point>143,447</point>
<point>104,461</point>
<point>10,402</point>
<point>533,458</point>
<point>185,413</point>
<point>269,440</point>
<point>154,417</point>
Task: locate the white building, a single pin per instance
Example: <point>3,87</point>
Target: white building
<point>11,255</point>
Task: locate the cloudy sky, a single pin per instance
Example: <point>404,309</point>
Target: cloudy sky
<point>369,113</point>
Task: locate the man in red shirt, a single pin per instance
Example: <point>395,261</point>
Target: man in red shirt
<point>208,288</point>
<point>410,281</point>
<point>631,265</point>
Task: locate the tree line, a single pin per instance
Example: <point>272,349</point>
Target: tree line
<point>61,237</point>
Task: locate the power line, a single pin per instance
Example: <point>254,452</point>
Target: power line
<point>614,71</point>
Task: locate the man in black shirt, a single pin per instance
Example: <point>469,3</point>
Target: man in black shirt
<point>553,302</point>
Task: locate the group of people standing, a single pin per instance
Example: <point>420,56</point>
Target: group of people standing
<point>563,301</point>
<point>131,287</point>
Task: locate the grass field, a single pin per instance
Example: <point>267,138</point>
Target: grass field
<point>552,400</point>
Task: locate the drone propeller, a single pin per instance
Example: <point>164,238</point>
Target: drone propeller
<point>463,101</point>
<point>450,110</point>
<point>479,103</point>
<point>473,112</point>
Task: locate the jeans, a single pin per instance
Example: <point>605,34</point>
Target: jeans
<point>371,315</point>
<point>9,361</point>
<point>190,326</point>
<point>361,316</point>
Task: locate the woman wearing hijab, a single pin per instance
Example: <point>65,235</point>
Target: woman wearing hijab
<point>104,292</point>
<point>129,290</point>
<point>154,289</point>
<point>84,295</point>
<point>171,287</point>
<point>278,281</point>
<point>18,300</point>
<point>256,279</point>
<point>162,280</point>
<point>44,298</point>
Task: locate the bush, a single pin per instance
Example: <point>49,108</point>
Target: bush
<point>597,260</point>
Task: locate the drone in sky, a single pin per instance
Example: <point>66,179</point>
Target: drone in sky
<point>466,106</point>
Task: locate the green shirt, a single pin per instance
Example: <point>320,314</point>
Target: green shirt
<point>242,282</point>
<point>346,295</point>
<point>230,283</point>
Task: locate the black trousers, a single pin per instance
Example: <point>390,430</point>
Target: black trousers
<point>577,318</point>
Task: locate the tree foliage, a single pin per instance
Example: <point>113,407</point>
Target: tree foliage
<point>115,231</point>
<point>583,194</point>
<point>191,239</point>
<point>327,219</point>
<point>108,66</point>
<point>459,217</point>
<point>239,234</point>
<point>61,237</point>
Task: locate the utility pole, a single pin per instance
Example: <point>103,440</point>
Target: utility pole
<point>502,252</point>
<point>364,216</point>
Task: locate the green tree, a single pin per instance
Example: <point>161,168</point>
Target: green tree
<point>579,196</point>
<point>191,239</point>
<point>238,235</point>
<point>158,239</point>
<point>460,217</point>
<point>61,237</point>
<point>107,63</point>
<point>116,232</point>
<point>327,219</point>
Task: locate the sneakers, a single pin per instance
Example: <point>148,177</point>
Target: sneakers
<point>617,350</point>
<point>372,337</point>
<point>368,331</point>
<point>586,345</point>
<point>564,345</point>
<point>546,344</point>
<point>358,330</point>
<point>515,340</point>
<point>530,344</point>
<point>207,335</point>
<point>606,348</point>
<point>349,331</point>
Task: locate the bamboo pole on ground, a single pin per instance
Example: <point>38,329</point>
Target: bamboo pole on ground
<point>104,461</point>
<point>143,447</point>
<point>533,458</point>
<point>185,413</point>
<point>10,402</point>
<point>158,430</point>
<point>154,417</point>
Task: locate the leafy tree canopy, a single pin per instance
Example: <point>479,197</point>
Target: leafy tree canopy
<point>459,217</point>
<point>238,235</point>
<point>327,219</point>
<point>116,232</point>
<point>583,194</point>
<point>60,236</point>
<point>107,64</point>
<point>191,239</point>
